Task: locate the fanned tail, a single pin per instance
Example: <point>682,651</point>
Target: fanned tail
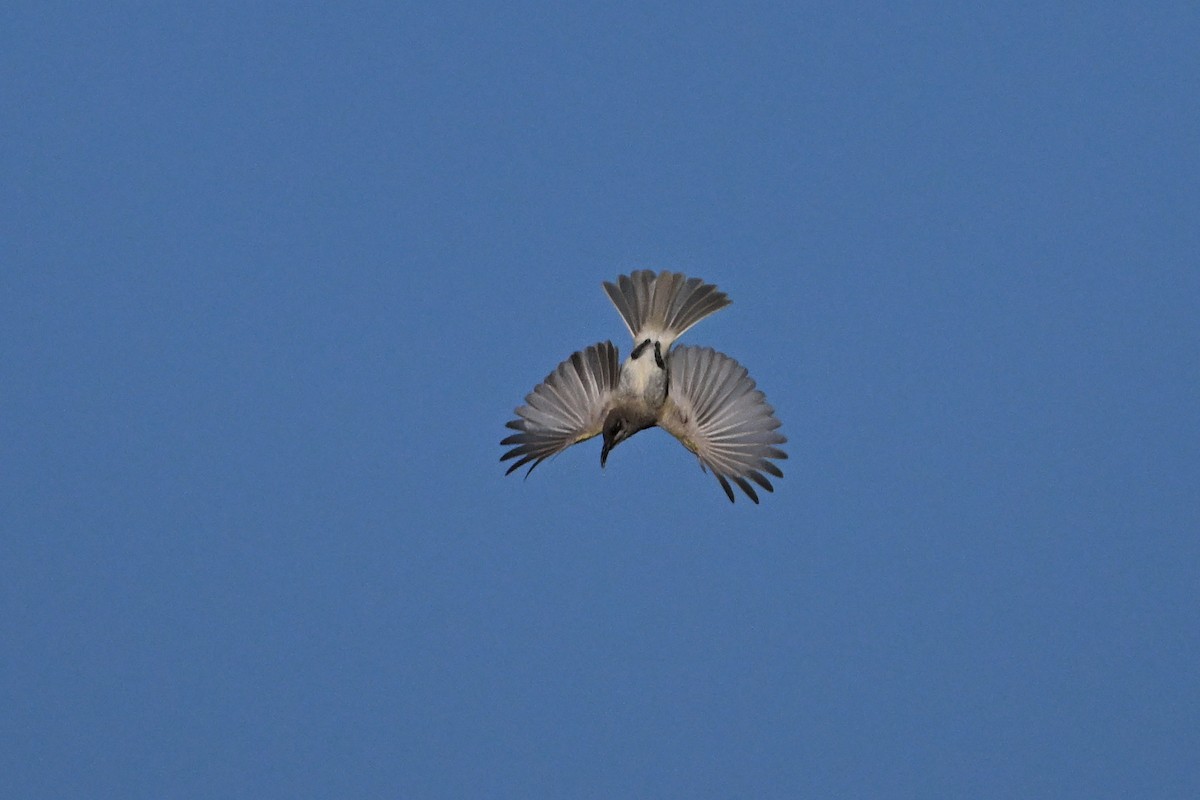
<point>661,307</point>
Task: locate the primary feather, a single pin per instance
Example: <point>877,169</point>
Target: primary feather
<point>703,398</point>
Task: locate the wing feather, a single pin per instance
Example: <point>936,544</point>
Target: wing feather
<point>567,407</point>
<point>715,410</point>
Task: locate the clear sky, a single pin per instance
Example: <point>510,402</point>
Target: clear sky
<point>274,276</point>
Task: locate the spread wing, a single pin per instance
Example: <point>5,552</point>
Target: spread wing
<point>567,407</point>
<point>715,411</point>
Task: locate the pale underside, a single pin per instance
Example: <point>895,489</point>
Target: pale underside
<point>711,404</point>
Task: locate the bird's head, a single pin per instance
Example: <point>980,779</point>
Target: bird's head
<point>617,428</point>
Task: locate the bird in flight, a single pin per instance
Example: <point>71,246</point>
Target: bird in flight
<point>703,398</point>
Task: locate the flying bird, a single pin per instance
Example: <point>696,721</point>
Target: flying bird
<point>703,398</point>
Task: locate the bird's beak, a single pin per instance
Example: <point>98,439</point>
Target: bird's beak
<point>604,453</point>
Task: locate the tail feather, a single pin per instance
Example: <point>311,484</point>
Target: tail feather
<point>663,306</point>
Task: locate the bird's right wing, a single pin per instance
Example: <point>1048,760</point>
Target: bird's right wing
<point>715,411</point>
<point>567,407</point>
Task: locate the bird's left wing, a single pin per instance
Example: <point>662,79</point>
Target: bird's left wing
<point>715,411</point>
<point>567,407</point>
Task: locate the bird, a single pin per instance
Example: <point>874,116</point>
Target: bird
<point>703,398</point>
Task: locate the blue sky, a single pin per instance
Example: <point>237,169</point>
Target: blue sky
<point>274,277</point>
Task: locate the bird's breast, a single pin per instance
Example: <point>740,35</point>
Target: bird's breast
<point>643,380</point>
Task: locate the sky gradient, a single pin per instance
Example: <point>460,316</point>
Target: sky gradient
<point>273,278</point>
